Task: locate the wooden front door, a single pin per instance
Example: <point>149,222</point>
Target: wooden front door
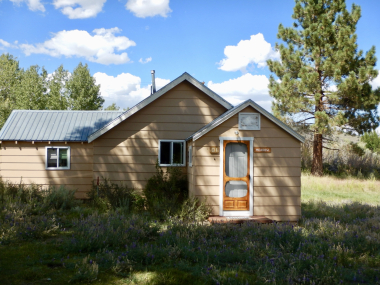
<point>236,176</point>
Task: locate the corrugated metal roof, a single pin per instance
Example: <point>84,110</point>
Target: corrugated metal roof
<point>32,125</point>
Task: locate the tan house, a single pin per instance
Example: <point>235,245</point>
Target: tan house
<point>242,159</point>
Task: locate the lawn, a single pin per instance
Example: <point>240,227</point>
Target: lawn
<point>335,242</point>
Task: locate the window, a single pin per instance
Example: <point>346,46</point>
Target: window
<point>57,157</point>
<point>171,153</point>
<point>191,156</point>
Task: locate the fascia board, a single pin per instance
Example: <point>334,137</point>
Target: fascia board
<point>222,119</point>
<point>153,97</point>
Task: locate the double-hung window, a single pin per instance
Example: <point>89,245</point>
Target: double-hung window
<point>172,152</point>
<point>57,157</point>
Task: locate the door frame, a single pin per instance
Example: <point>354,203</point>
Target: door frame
<point>221,186</point>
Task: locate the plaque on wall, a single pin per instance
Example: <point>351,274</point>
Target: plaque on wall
<point>214,149</point>
<point>262,149</point>
<point>249,121</point>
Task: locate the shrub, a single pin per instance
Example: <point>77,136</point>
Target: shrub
<point>87,271</point>
<point>194,210</point>
<point>166,191</point>
<point>109,195</point>
<point>59,199</point>
<point>372,141</point>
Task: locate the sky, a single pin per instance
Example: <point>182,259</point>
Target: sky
<point>223,43</point>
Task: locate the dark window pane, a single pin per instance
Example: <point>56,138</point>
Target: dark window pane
<point>165,153</point>
<point>63,161</point>
<point>177,153</point>
<point>52,157</point>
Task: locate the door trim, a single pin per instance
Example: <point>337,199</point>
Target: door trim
<point>221,186</point>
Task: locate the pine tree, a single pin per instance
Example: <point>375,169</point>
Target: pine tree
<point>324,80</point>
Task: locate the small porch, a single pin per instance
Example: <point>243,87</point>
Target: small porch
<point>239,220</point>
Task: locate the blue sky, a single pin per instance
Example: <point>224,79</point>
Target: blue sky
<point>224,43</point>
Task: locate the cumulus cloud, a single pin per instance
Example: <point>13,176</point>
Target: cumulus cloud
<point>253,51</point>
<point>34,5</point>
<point>148,59</point>
<point>245,87</point>
<point>148,8</point>
<point>4,43</point>
<point>99,47</point>
<point>125,89</point>
<point>79,9</point>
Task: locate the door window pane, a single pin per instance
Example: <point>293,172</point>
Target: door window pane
<point>165,157</point>
<point>177,152</point>
<point>236,189</point>
<point>236,159</point>
<point>52,157</point>
<point>63,160</point>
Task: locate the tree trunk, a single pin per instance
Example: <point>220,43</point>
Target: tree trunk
<point>317,168</point>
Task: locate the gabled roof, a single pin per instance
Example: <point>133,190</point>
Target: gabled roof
<point>231,112</point>
<point>155,96</point>
<point>32,125</point>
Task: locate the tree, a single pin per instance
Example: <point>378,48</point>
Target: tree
<point>112,107</point>
<point>324,81</point>
<point>83,92</point>
<point>57,98</point>
<point>372,141</point>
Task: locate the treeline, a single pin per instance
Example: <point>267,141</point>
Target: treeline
<point>35,89</point>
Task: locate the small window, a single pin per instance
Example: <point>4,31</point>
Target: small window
<point>57,157</point>
<point>171,153</point>
<point>190,156</point>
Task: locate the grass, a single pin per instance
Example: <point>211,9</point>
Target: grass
<point>337,241</point>
<point>332,189</point>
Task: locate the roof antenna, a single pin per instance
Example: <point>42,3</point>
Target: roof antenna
<point>153,88</point>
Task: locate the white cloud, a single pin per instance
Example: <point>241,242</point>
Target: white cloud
<point>4,43</point>
<point>79,9</point>
<point>376,82</point>
<point>148,59</point>
<point>253,51</point>
<point>33,5</point>
<point>148,8</point>
<point>125,89</point>
<point>245,87</point>
<point>99,47</point>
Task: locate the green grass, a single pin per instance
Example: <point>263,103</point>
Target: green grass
<point>332,189</point>
<point>335,242</point>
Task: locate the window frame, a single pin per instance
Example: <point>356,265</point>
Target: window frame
<point>58,148</point>
<point>190,156</point>
<point>171,152</point>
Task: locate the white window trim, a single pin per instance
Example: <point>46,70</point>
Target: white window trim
<point>68,157</point>
<point>171,150</point>
<point>191,156</point>
<point>249,129</point>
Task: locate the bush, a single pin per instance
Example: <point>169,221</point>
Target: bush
<point>109,195</point>
<point>165,192</point>
<point>194,210</point>
<point>372,141</point>
<point>87,271</point>
<point>60,199</point>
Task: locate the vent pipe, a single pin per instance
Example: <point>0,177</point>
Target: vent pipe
<point>153,88</point>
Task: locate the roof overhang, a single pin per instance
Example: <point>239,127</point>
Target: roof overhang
<point>155,96</point>
<point>228,114</point>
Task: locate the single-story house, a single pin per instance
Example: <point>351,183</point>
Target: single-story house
<point>241,158</point>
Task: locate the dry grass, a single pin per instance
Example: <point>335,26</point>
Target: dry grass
<point>334,189</point>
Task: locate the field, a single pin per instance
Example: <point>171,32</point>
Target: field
<point>337,241</point>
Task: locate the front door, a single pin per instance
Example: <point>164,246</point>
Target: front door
<point>236,175</point>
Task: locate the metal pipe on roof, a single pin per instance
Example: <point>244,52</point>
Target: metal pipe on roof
<point>153,89</point>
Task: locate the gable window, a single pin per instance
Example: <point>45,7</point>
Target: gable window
<point>57,157</point>
<point>171,153</point>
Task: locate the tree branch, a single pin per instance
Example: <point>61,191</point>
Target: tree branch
<point>331,148</point>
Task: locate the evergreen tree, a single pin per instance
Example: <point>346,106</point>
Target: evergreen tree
<point>324,78</point>
<point>83,91</point>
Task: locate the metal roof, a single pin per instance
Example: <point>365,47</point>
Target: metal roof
<point>37,125</point>
<point>229,113</point>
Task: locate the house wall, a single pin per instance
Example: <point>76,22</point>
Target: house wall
<point>277,175</point>
<point>128,152</point>
<point>26,161</point>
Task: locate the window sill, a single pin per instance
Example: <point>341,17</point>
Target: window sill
<point>58,168</point>
<point>167,165</point>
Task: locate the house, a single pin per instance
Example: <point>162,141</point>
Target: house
<point>242,159</point>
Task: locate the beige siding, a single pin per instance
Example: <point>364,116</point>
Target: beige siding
<point>26,161</point>
<point>128,153</point>
<point>277,174</point>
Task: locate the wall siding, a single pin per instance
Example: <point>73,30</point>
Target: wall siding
<point>26,161</point>
<point>277,175</point>
<point>128,153</point>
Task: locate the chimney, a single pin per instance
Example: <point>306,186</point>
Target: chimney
<point>153,88</point>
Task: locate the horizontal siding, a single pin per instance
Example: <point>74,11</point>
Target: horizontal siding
<point>257,161</point>
<point>102,151</point>
<point>277,201</point>
<point>162,126</point>
<point>283,142</point>
<point>40,166</point>
<point>125,159</point>
<point>272,191</point>
<point>209,180</point>
<point>277,210</point>
<point>266,171</point>
<point>277,152</point>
